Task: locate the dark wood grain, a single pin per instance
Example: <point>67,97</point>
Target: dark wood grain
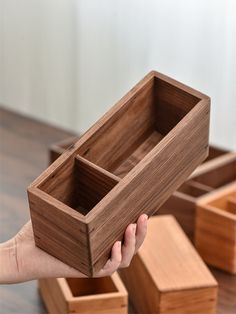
<point>157,133</point>
<point>18,134</point>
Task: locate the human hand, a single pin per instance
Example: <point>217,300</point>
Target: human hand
<point>28,262</point>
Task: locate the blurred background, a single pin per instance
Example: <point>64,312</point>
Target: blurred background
<point>67,61</point>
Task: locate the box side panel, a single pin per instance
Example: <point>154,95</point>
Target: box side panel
<point>106,304</point>
<point>215,239</point>
<point>142,291</point>
<point>196,301</point>
<point>52,296</point>
<point>60,234</point>
<point>144,191</point>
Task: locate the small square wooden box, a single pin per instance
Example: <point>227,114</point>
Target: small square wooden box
<point>84,295</point>
<point>128,163</point>
<point>215,233</point>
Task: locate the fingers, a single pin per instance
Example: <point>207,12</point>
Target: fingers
<point>128,248</point>
<point>121,256</point>
<point>113,263</point>
<point>141,231</point>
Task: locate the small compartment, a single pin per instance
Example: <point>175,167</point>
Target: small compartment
<point>138,126</point>
<point>194,189</point>
<point>79,184</point>
<point>86,286</point>
<point>220,175</point>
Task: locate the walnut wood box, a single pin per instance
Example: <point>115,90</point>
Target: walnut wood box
<point>215,234</point>
<point>207,178</point>
<point>167,276</point>
<point>84,295</point>
<point>128,163</point>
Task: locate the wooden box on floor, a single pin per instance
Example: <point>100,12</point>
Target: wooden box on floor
<point>84,295</point>
<point>167,276</point>
<point>128,163</point>
<point>206,179</point>
<point>215,234</point>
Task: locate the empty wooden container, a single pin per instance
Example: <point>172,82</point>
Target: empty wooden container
<point>167,276</point>
<point>84,295</point>
<point>208,177</point>
<point>215,233</point>
<point>128,163</point>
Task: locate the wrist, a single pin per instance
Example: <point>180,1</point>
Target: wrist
<point>9,270</point>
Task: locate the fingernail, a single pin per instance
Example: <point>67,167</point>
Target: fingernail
<point>145,217</point>
<point>119,244</point>
<point>134,228</point>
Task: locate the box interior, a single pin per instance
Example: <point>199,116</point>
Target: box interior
<point>219,176</point>
<point>226,203</point>
<point>215,152</point>
<point>91,286</point>
<point>79,185</point>
<point>193,189</point>
<point>138,126</point>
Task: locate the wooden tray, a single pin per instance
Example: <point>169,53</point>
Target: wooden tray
<point>215,233</point>
<point>128,163</point>
<point>84,295</point>
<point>208,177</point>
<point>167,276</point>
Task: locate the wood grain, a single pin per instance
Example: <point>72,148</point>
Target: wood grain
<point>83,296</point>
<point>216,228</point>
<point>157,158</point>
<point>168,275</point>
<point>18,134</point>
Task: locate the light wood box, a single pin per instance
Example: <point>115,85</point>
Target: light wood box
<point>84,295</point>
<point>207,178</point>
<point>167,276</point>
<point>128,163</point>
<point>215,233</point>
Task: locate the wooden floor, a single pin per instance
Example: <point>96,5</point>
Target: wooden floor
<point>23,155</point>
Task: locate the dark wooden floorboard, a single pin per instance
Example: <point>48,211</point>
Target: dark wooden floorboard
<point>24,146</point>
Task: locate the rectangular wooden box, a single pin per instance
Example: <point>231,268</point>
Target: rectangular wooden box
<point>206,179</point>
<point>215,233</point>
<point>167,276</point>
<point>128,163</point>
<point>84,295</point>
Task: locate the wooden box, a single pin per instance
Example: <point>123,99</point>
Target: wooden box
<point>206,179</point>
<point>215,233</point>
<point>128,163</point>
<point>167,276</point>
<point>84,295</point>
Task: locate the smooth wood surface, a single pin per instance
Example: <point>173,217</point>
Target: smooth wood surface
<point>84,295</point>
<point>158,130</point>
<point>215,234</point>
<point>17,135</point>
<point>167,275</point>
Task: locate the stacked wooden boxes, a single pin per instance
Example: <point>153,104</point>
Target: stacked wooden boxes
<point>128,163</point>
<point>208,177</point>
